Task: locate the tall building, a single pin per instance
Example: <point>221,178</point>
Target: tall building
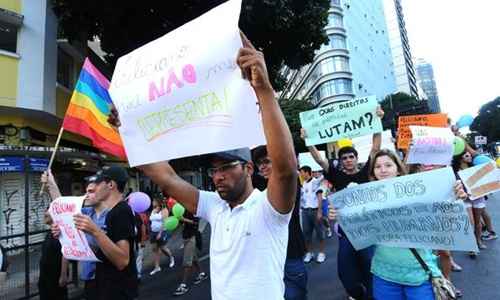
<point>425,76</point>
<point>356,62</point>
<point>404,70</point>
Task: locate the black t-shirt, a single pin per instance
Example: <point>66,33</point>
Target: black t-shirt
<point>50,261</point>
<point>111,282</point>
<point>190,229</point>
<point>341,180</point>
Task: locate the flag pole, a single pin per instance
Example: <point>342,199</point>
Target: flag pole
<point>56,146</point>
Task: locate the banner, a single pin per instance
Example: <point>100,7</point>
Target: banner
<point>306,159</point>
<point>183,94</point>
<point>481,180</point>
<point>431,146</point>
<point>341,120</point>
<point>431,120</point>
<point>74,245</point>
<point>416,210</point>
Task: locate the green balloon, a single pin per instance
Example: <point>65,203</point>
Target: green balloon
<point>170,223</point>
<point>458,146</point>
<point>178,210</point>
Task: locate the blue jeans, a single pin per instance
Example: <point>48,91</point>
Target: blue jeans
<point>354,268</point>
<point>295,279</point>
<point>387,290</point>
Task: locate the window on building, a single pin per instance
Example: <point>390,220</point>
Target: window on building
<point>341,64</point>
<point>335,20</point>
<point>65,69</point>
<point>337,42</point>
<point>8,37</point>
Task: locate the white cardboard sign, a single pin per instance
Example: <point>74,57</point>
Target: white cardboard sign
<point>431,145</point>
<point>74,244</point>
<point>481,180</point>
<point>183,94</point>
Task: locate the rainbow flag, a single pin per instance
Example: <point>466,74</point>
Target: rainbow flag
<point>88,111</point>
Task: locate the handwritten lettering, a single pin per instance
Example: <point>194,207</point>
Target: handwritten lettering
<point>166,83</point>
<point>206,106</point>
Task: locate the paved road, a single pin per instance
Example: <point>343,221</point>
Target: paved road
<point>480,278</point>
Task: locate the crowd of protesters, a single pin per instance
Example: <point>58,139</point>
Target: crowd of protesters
<point>261,234</point>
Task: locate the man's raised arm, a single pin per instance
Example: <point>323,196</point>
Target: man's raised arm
<point>314,152</point>
<point>282,183</point>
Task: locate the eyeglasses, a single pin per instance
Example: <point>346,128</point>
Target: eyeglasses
<point>224,168</point>
<point>264,161</point>
<point>345,157</point>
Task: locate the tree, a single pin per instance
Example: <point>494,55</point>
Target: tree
<point>291,109</point>
<point>287,31</point>
<point>401,104</point>
<point>486,122</point>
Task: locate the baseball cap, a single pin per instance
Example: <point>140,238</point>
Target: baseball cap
<point>115,173</point>
<point>241,154</point>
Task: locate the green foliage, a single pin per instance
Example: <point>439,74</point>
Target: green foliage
<point>291,109</point>
<point>288,31</point>
<point>401,104</point>
<point>487,121</point>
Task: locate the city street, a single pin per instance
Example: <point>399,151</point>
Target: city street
<point>478,280</point>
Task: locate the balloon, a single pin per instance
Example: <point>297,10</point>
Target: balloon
<point>170,223</point>
<point>178,210</point>
<point>481,159</point>
<point>139,202</point>
<point>171,202</point>
<point>498,162</point>
<point>458,145</point>
<point>464,121</point>
<point>344,143</point>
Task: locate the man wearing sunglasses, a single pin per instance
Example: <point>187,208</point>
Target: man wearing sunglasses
<point>353,266</point>
<point>249,228</point>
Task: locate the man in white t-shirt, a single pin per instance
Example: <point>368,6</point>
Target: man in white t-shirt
<point>312,215</point>
<point>249,228</point>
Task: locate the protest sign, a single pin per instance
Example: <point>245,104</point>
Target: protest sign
<point>364,144</point>
<point>481,180</point>
<point>431,120</point>
<point>431,146</point>
<point>407,211</point>
<point>341,120</point>
<point>306,159</point>
<point>74,244</point>
<point>183,94</point>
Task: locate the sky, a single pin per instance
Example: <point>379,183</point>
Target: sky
<point>461,39</point>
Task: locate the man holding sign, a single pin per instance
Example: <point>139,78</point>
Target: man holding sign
<point>116,275</point>
<point>247,225</point>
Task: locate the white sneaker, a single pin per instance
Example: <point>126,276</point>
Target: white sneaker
<point>155,270</point>
<point>321,257</point>
<point>172,262</point>
<point>308,257</point>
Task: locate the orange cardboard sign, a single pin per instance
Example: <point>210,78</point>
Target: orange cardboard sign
<point>404,133</point>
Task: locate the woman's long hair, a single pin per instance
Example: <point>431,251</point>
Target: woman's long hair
<point>393,156</point>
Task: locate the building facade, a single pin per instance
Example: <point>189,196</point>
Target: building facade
<point>356,62</point>
<point>425,76</point>
<point>404,70</point>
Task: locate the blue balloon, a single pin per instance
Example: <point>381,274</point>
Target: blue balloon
<point>465,120</point>
<point>481,159</point>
